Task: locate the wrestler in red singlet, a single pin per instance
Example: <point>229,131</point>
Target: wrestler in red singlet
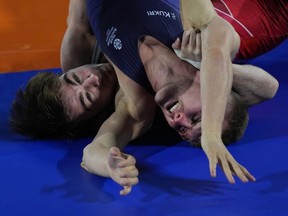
<point>261,24</point>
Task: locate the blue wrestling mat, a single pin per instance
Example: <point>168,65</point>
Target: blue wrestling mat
<point>44,178</point>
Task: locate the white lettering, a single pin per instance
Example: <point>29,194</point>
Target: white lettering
<point>162,13</point>
<point>110,35</point>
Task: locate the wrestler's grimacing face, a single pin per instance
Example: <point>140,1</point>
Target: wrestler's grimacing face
<point>179,94</point>
<point>177,87</point>
<point>180,103</point>
<point>86,91</point>
<point>181,106</point>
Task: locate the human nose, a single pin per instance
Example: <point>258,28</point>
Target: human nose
<point>91,80</point>
<point>177,117</point>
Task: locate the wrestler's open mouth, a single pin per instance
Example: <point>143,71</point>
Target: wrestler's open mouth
<point>172,107</point>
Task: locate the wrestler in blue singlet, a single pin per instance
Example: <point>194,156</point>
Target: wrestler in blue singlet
<point>118,25</point>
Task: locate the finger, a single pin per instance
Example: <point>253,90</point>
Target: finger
<point>126,190</point>
<point>227,171</point>
<point>129,172</point>
<point>192,39</point>
<point>185,39</point>
<point>198,43</point>
<point>198,39</point>
<point>212,166</point>
<point>127,185</point>
<point>129,161</point>
<point>239,172</point>
<point>247,173</point>
<point>177,44</point>
<point>115,152</point>
<point>114,158</point>
<point>128,181</point>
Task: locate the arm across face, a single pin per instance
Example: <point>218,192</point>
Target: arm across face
<point>253,84</point>
<point>133,116</point>
<point>219,43</point>
<point>78,41</point>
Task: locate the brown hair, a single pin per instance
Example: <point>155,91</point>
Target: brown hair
<point>237,120</point>
<point>37,111</point>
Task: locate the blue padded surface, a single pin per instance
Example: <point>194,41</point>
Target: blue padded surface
<point>44,177</point>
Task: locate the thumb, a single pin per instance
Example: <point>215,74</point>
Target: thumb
<point>115,157</point>
<point>126,190</point>
<point>177,44</point>
<point>115,152</point>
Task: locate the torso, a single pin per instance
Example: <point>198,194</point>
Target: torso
<point>118,35</point>
<point>118,27</point>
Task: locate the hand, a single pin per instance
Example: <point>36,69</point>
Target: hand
<point>217,153</point>
<point>122,169</point>
<point>190,47</point>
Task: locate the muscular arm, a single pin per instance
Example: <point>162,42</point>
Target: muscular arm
<point>78,42</point>
<point>133,116</point>
<point>253,84</point>
<point>116,131</point>
<point>219,43</point>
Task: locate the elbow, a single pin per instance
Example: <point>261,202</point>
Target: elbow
<point>85,158</point>
<point>272,88</point>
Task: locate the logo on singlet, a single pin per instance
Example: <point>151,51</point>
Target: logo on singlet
<point>112,39</point>
<point>162,13</point>
<point>117,44</point>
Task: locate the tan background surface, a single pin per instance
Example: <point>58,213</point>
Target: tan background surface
<point>30,33</point>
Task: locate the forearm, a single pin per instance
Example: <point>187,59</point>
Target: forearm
<point>111,134</point>
<point>218,42</point>
<point>96,154</point>
<point>78,41</point>
<point>253,84</point>
<point>216,82</point>
<point>117,131</point>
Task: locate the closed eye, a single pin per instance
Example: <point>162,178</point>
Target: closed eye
<point>76,78</point>
<point>82,101</point>
<point>88,95</point>
<point>196,119</point>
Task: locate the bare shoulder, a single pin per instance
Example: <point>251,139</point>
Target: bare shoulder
<point>133,98</point>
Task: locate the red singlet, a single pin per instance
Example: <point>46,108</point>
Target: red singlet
<point>261,24</point>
